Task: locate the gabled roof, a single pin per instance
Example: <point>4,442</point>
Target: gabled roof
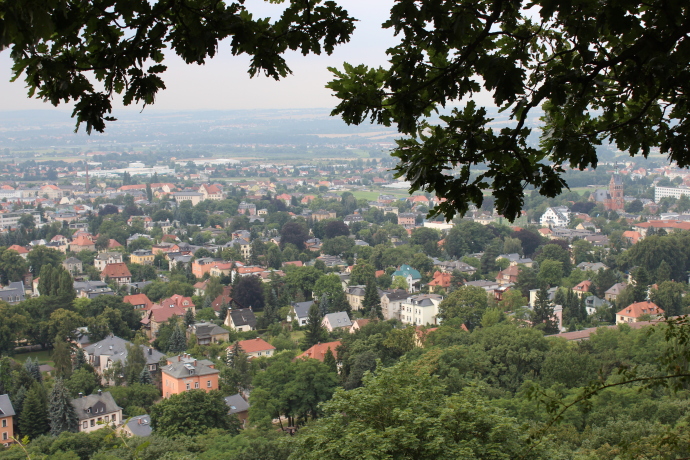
<point>254,345</point>
<point>319,350</point>
<point>583,286</point>
<point>6,409</point>
<point>405,271</point>
<point>243,317</point>
<point>138,299</point>
<point>302,308</point>
<point>338,319</point>
<point>19,249</point>
<point>118,270</point>
<point>207,330</point>
<point>638,309</point>
<point>140,425</point>
<point>183,366</point>
<point>86,407</point>
<point>236,404</point>
<point>616,289</point>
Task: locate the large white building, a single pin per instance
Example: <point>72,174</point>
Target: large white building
<point>420,310</point>
<point>558,216</point>
<point>672,192</point>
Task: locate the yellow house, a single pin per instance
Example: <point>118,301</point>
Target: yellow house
<point>142,257</point>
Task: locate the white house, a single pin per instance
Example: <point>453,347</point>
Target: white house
<point>420,310</point>
<point>558,216</point>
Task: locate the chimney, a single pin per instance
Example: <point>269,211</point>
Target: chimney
<point>150,351</point>
<point>178,358</point>
<point>81,395</point>
<point>99,392</point>
<point>139,421</point>
<point>195,363</point>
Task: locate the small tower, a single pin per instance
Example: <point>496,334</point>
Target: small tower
<point>87,177</point>
<point>617,202</point>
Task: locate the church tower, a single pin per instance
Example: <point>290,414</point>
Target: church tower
<point>616,201</point>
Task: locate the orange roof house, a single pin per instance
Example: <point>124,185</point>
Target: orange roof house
<point>83,242</point>
<point>632,236</point>
<point>441,279</point>
<point>633,312</point>
<point>319,350</point>
<point>139,301</point>
<point>358,324</point>
<point>19,249</point>
<point>582,288</point>
<point>256,348</point>
<point>117,272</point>
<point>509,275</point>
<point>112,244</point>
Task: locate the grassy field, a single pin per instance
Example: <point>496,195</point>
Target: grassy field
<point>297,335</point>
<point>43,357</point>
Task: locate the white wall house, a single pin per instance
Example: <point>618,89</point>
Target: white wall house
<point>558,216</point>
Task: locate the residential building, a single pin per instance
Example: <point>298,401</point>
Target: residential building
<point>158,314</point>
<point>117,272</point>
<point>672,192</point>
<point>583,288</point>
<point>142,257</point>
<point>194,197</point>
<point>591,266</point>
<point>358,324</point>
<point>211,192</point>
<point>421,310</point>
<point>452,265</point>
<point>241,319</point>
<point>412,277</point>
<point>441,280</point>
<point>557,216</point>
<point>407,219</point>
<point>83,242</point>
<point>97,411</point>
<point>247,208</point>
<point>11,219</point>
<point>207,333</point>
<point>105,258</point>
<point>633,312</point>
<point>6,420</point>
<point>239,407</point>
<point>355,296</point>
<point>139,301</point>
<point>255,348</point>
<point>336,320</point>
<point>13,293</point>
<point>391,301</point>
<point>243,245</point>
<point>21,250</point>
<point>508,276</point>
<point>184,373</point>
<point>104,354</point>
<point>139,425</point>
<point>593,302</point>
<point>299,311</point>
<point>320,350</point>
<point>614,291</point>
<point>73,265</point>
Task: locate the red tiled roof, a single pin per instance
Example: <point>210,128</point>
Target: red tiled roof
<point>118,270</point>
<point>254,345</point>
<point>319,350</point>
<point>583,286</point>
<point>138,299</point>
<point>19,249</point>
<point>637,309</point>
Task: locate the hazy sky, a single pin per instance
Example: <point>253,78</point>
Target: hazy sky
<point>223,83</point>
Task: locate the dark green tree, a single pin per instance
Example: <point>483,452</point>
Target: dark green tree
<point>33,420</point>
<point>178,342</point>
<point>314,331</point>
<point>372,301</point>
<point>62,358</point>
<point>145,376</point>
<point>192,413</point>
<point>188,319</point>
<point>61,411</point>
<point>543,315</point>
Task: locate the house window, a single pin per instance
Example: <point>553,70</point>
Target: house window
<point>85,425</point>
<point>4,422</point>
<point>93,422</point>
<point>4,436</point>
<point>107,419</point>
<point>196,384</point>
<point>208,383</point>
<point>259,353</point>
<point>188,387</point>
<point>114,417</point>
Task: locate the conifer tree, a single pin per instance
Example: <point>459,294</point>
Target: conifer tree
<point>543,316</point>
<point>33,369</point>
<point>62,358</point>
<point>372,301</point>
<point>188,318</point>
<point>65,287</point>
<point>61,411</point>
<point>145,376</point>
<point>134,361</point>
<point>208,303</point>
<point>329,360</point>
<point>33,420</point>
<point>315,332</point>
<point>178,341</point>
<point>79,359</point>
